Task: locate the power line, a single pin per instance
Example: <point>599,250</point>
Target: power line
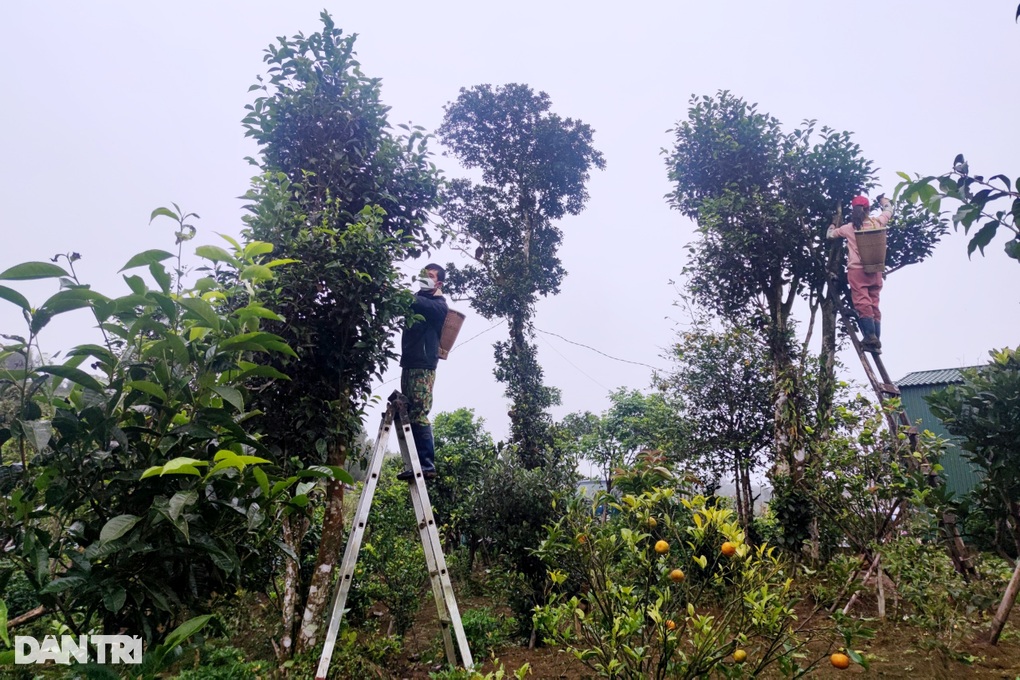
<point>579,344</point>
<point>579,370</point>
<point>477,335</point>
<point>460,344</point>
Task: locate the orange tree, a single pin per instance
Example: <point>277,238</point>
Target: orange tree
<point>667,587</point>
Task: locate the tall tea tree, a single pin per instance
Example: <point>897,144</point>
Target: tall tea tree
<point>347,198</point>
<point>762,198</point>
<point>534,166</point>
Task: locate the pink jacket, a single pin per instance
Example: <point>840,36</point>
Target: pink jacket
<point>847,232</point>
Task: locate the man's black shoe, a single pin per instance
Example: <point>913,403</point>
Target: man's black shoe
<point>407,475</point>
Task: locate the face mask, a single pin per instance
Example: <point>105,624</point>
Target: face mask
<point>425,283</point>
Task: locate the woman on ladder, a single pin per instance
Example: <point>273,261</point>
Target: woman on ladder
<point>865,287</point>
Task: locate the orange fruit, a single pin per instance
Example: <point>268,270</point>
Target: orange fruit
<point>670,624</point>
<point>651,523</point>
<point>840,661</point>
<point>676,576</point>
<point>729,549</point>
<point>739,656</point>
<point>661,547</point>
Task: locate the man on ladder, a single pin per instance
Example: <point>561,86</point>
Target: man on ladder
<point>419,357</point>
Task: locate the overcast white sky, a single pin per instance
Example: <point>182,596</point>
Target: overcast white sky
<point>111,109</point>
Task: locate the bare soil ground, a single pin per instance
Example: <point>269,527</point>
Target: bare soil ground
<point>897,651</point>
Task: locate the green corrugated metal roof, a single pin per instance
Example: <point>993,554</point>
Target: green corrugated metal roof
<point>961,476</point>
<point>944,376</point>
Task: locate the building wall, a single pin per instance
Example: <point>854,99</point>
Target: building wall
<point>960,474</point>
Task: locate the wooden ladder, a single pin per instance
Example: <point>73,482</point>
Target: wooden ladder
<point>442,588</point>
<point>880,381</point>
<point>899,421</point>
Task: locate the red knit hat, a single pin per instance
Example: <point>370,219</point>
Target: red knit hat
<point>860,200</point>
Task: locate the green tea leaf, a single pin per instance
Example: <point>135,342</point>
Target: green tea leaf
<point>185,630</point>
<point>147,387</point>
<point>75,375</point>
<point>32,270</point>
<point>215,253</point>
<point>114,599</point>
<point>230,395</point>
<point>201,310</point>
<point>117,527</point>
<point>147,257</point>
<point>3,623</point>
<point>14,296</point>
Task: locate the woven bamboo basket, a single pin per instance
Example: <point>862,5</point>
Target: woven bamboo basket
<point>451,327</point>
<point>871,248</point>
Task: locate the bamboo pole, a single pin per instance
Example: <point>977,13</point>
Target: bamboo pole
<point>999,622</point>
<point>853,598</point>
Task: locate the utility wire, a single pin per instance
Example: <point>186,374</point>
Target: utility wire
<point>579,370</point>
<point>553,347</point>
<point>460,344</point>
<point>626,361</point>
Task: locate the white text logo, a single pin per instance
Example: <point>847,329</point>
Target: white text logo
<point>108,649</point>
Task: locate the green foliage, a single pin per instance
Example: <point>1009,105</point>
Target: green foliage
<point>16,590</point>
<point>224,663</point>
<point>534,167</point>
<point>911,236</point>
<point>352,658</point>
<point>348,198</point>
<point>835,582</point>
<point>864,478</point>
<point>467,451</point>
<point>487,631</point>
<point>793,510</point>
<point>762,199</point>
<point>339,306</point>
<point>989,204</point>
<point>142,491</point>
<point>499,674</point>
<point>720,390</point>
<point>321,121</point>
<point>613,439</point>
<point>982,410</point>
<point>619,607</point>
<point>931,595</point>
<point>391,567</point>
<point>510,507</point>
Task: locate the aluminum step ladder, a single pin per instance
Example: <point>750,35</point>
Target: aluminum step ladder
<point>442,588</point>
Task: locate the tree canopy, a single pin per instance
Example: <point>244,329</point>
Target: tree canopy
<point>347,199</point>
<point>535,166</point>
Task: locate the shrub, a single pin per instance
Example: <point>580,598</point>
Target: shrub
<point>143,493</point>
<point>486,631</point>
<point>224,663</point>
<point>614,604</point>
<point>392,567</point>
